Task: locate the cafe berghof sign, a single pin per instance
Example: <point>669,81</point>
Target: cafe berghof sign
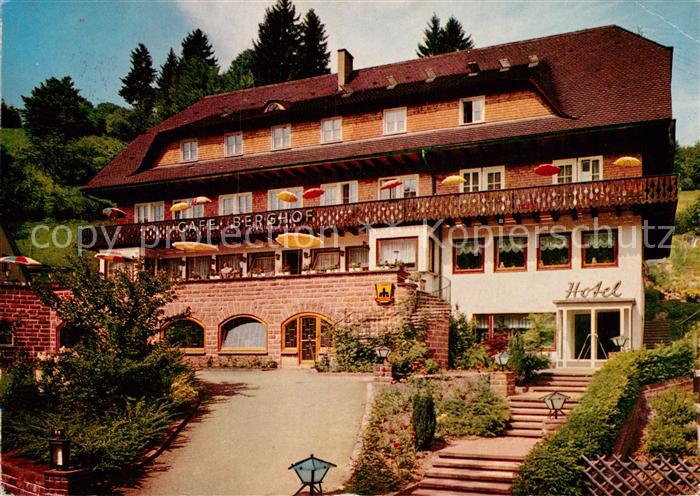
<point>597,290</point>
<point>256,222</point>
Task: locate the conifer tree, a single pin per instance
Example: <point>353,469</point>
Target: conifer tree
<point>198,71</point>
<point>431,38</point>
<point>165,82</point>
<point>239,75</point>
<point>196,46</point>
<point>137,87</point>
<point>313,50</point>
<point>276,49</point>
<point>454,38</point>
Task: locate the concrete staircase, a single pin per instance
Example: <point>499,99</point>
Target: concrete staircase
<point>485,467</point>
<point>529,414</point>
<point>656,332</point>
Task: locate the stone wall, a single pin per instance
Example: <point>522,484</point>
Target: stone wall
<point>22,477</point>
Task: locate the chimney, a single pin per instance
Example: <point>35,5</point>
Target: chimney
<point>344,67</point>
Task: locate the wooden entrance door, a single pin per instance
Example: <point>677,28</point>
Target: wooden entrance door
<point>306,334</point>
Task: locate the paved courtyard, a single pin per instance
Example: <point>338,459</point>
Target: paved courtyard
<point>256,424</point>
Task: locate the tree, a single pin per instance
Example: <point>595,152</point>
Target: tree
<point>137,86</point>
<point>239,75</point>
<point>165,83</point>
<point>56,110</point>
<point>276,49</point>
<point>450,38</point>
<point>686,163</point>
<point>454,38</point>
<point>198,71</point>
<point>9,117</point>
<point>432,37</point>
<point>196,46</point>
<point>313,50</point>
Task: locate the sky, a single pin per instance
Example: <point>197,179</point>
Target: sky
<point>91,40</point>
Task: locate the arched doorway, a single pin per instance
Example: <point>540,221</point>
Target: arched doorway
<point>306,334</point>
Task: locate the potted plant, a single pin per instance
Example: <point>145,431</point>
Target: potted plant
<point>355,267</point>
<point>334,269</point>
<point>286,270</point>
<point>257,272</point>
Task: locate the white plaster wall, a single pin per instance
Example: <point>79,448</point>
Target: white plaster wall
<point>535,290</point>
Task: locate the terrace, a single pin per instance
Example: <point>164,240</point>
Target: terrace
<point>644,194</point>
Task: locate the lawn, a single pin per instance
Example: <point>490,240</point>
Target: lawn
<point>685,198</point>
<point>53,245</point>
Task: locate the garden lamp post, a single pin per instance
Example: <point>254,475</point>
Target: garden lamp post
<point>59,450</point>
<point>382,352</point>
<point>619,341</point>
<point>502,359</point>
<point>311,472</point>
<point>555,402</point>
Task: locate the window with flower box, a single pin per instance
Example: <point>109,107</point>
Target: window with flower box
<point>261,264</point>
<point>357,257</point>
<point>325,260</point>
<point>392,251</point>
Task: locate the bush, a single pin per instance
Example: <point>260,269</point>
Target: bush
<point>462,339</point>
<point>595,423</point>
<point>671,432</point>
<point>525,360</point>
<point>472,410</point>
<point>423,420</point>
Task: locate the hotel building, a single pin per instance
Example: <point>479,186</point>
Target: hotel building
<point>499,244</point>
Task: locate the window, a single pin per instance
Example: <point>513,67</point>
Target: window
<point>290,336</point>
<point>339,193</point>
<point>234,144</point>
<point>67,337</point>
<point>170,266</point>
<point>357,257</point>
<point>291,261</point>
<point>331,130</point>
<point>395,121</point>
<point>511,254</point>
<point>599,248</point>
<point>7,328</point>
<point>281,137</point>
<point>189,150</point>
<point>472,180</point>
<point>306,335</point>
<point>229,266</point>
<point>578,170</point>
<point>468,255</point>
<point>483,179</point>
<point>323,260</point>
<point>275,203</point>
<point>239,203</point>
<point>198,267</point>
<point>149,212</point>
<point>243,334</point>
<point>494,178</point>
<point>187,334</point>
<point>398,250</point>
<point>194,212</point>
<point>407,189</point>
<point>554,251</point>
<point>472,110</point>
<point>509,324</point>
<point>261,264</point>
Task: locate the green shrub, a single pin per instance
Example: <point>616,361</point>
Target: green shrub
<point>462,338</point>
<point>671,433</point>
<point>595,423</point>
<point>472,410</point>
<point>423,419</point>
<point>524,360</point>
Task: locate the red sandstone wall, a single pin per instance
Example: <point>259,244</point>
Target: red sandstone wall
<point>36,324</point>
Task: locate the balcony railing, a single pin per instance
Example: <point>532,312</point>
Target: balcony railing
<point>599,195</point>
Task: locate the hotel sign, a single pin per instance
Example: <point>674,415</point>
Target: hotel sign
<point>245,222</point>
<point>595,291</point>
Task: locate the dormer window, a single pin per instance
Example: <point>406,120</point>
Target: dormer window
<point>281,137</point>
<point>472,110</point>
<point>189,150</point>
<point>274,107</point>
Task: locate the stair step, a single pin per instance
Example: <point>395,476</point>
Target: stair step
<point>443,492</point>
<point>517,417</point>
<point>535,411</point>
<point>479,456</point>
<point>478,464</point>
<point>523,432</point>
<point>537,424</point>
<point>561,389</point>
<point>470,474</point>
<point>481,486</point>
<point>537,405</point>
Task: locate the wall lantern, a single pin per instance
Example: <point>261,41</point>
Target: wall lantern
<point>311,472</point>
<point>59,450</point>
<point>555,402</point>
<point>382,352</point>
<point>502,359</point>
<point>619,341</point>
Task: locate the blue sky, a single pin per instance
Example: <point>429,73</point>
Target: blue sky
<point>91,40</point>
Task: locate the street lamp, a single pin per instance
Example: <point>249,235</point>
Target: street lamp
<point>555,402</point>
<point>382,352</point>
<point>59,450</point>
<point>619,341</point>
<point>311,472</point>
<point>502,359</point>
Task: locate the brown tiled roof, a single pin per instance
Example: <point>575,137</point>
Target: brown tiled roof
<point>598,77</point>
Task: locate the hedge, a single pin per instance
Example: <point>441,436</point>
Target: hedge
<point>554,467</point>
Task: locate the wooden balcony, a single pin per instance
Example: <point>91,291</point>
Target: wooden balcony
<point>574,197</point>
